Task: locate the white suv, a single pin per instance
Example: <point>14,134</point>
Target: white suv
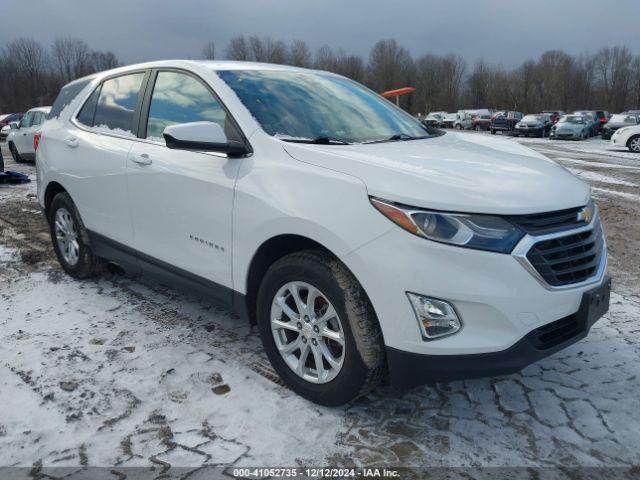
<point>23,136</point>
<point>358,240</point>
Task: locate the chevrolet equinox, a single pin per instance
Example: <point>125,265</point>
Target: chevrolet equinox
<point>361,243</point>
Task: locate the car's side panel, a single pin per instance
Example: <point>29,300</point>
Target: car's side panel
<point>92,168</point>
<point>181,205</point>
<point>314,202</point>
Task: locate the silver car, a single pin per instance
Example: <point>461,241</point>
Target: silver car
<point>571,127</point>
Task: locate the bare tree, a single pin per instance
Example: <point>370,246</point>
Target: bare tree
<point>72,58</point>
<point>209,51</point>
<point>299,54</point>
<point>238,49</point>
<point>103,61</point>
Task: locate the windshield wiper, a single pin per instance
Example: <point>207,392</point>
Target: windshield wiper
<point>399,137</point>
<point>317,140</point>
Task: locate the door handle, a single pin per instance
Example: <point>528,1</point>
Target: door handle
<point>72,142</point>
<point>142,159</point>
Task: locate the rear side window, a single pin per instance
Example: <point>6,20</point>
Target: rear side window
<point>117,102</point>
<point>38,118</point>
<point>88,112</point>
<point>26,120</point>
<point>180,98</point>
<point>66,96</point>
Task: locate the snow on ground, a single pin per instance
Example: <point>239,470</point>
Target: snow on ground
<point>120,372</point>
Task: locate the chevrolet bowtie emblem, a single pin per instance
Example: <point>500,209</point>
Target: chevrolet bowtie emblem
<point>585,215</point>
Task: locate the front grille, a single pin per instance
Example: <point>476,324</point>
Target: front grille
<point>543,223</point>
<point>569,259</point>
<point>555,333</point>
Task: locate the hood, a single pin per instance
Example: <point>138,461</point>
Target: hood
<point>616,125</point>
<point>571,126</point>
<point>454,172</point>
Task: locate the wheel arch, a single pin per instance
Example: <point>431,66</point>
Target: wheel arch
<point>632,137</point>
<point>53,189</point>
<point>268,253</point>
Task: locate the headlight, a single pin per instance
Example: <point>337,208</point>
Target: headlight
<point>482,232</point>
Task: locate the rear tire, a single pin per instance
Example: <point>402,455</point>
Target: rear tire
<point>14,153</point>
<point>493,132</point>
<point>361,354</point>
<point>71,239</point>
<point>634,144</point>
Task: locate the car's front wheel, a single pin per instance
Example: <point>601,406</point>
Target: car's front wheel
<point>634,144</point>
<point>70,238</point>
<point>319,328</point>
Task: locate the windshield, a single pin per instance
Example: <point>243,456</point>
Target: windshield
<point>532,118</point>
<point>572,119</point>
<point>618,118</point>
<point>299,106</point>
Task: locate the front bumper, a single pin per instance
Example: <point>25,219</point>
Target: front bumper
<point>528,131</point>
<point>498,298</point>
<point>564,135</point>
<point>410,369</point>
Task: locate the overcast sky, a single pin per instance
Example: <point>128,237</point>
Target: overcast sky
<point>506,32</point>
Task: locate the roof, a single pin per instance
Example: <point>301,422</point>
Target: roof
<point>40,109</point>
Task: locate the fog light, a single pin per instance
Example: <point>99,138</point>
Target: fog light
<point>437,318</point>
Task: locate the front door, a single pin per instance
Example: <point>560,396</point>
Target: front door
<point>182,201</point>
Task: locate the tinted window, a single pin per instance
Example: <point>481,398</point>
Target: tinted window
<point>26,120</point>
<point>38,118</point>
<point>88,111</point>
<point>117,103</point>
<point>66,96</point>
<point>180,98</point>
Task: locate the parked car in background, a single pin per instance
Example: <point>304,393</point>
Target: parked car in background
<point>208,176</point>
<point>592,120</point>
<point>534,126</point>
<point>505,121</point>
<point>481,122</point>
<point>603,117</point>
<point>4,133</point>
<point>554,115</point>
<point>22,136</point>
<point>5,121</point>
<point>434,119</point>
<point>627,137</point>
<point>618,121</point>
<point>449,119</point>
<point>7,118</point>
<point>571,127</point>
<point>463,120</point>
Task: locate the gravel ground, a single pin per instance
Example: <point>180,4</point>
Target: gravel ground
<point>119,372</point>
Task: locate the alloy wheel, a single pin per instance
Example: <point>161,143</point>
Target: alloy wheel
<point>67,236</point>
<point>308,332</point>
<point>634,144</point>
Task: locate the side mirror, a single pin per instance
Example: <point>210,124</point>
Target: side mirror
<point>202,136</point>
<point>14,126</point>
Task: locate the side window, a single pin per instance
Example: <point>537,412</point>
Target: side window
<point>26,120</point>
<point>88,111</point>
<point>38,117</point>
<point>117,103</point>
<point>180,98</point>
<point>66,96</point>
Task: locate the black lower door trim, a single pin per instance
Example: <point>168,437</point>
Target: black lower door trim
<point>135,263</point>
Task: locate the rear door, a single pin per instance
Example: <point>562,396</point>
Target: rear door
<point>21,135</point>
<point>181,201</point>
<point>94,150</point>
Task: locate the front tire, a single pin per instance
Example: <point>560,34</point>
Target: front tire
<point>634,144</point>
<point>319,329</point>
<point>71,239</point>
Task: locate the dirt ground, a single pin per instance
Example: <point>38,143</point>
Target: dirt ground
<point>116,371</point>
